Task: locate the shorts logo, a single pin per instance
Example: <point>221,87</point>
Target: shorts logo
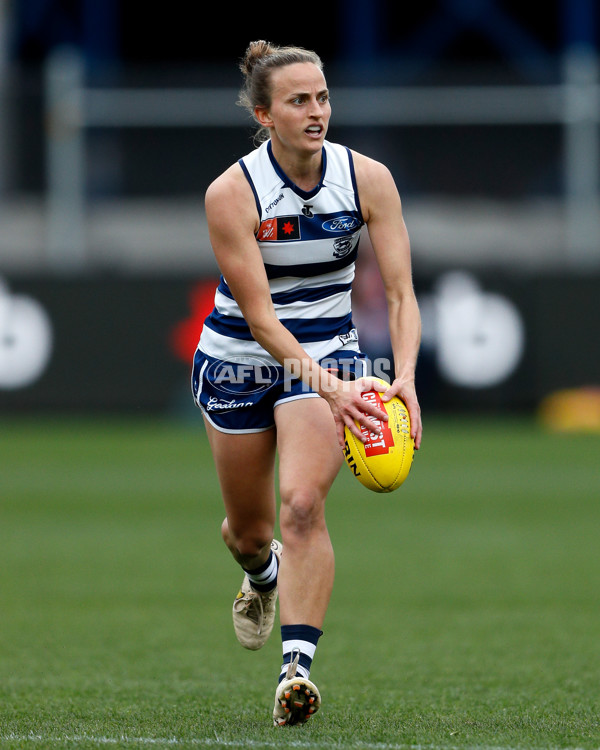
<point>341,224</point>
<point>219,404</point>
<point>242,378</point>
<point>278,229</point>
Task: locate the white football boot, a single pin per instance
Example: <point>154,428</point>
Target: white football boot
<point>296,698</point>
<point>254,611</point>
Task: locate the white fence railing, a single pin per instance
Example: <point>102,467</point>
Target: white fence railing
<point>573,104</point>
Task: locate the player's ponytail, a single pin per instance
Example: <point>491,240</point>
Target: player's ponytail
<point>255,52</point>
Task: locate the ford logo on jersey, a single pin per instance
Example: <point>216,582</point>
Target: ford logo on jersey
<point>341,224</point>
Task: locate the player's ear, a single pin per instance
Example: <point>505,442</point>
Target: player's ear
<point>263,117</point>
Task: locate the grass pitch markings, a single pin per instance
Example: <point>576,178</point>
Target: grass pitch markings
<point>216,742</point>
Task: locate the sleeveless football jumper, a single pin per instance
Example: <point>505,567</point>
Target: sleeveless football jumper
<point>309,243</point>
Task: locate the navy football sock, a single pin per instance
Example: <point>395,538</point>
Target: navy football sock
<point>299,638</point>
<point>264,578</point>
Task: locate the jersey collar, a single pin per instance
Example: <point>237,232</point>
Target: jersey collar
<point>304,194</point>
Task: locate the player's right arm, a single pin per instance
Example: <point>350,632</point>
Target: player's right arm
<point>382,210</point>
<point>233,222</point>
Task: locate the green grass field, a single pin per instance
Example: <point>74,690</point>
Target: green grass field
<point>466,612</point>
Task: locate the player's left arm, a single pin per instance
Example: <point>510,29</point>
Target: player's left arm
<point>382,210</point>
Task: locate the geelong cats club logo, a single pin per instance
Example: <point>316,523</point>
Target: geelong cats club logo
<point>342,246</point>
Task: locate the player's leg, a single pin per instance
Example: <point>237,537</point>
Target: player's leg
<point>245,466</point>
<point>310,459</point>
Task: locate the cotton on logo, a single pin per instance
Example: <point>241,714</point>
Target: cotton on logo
<point>478,337</point>
<point>25,339</point>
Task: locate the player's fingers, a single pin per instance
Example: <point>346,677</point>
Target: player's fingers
<point>416,426</point>
<point>372,384</point>
<point>354,429</point>
<point>406,393</point>
<point>418,433</point>
<point>341,436</point>
<point>348,421</point>
<point>370,415</point>
<point>361,425</point>
<point>369,406</point>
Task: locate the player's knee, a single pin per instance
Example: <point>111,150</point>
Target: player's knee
<point>250,540</point>
<point>301,511</point>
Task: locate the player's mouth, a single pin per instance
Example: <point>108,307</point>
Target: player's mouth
<point>314,131</point>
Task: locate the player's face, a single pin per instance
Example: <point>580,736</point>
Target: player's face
<point>299,114</point>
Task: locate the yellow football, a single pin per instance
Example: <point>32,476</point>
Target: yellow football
<point>383,461</point>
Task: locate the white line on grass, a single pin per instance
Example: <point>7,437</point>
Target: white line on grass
<point>77,739</point>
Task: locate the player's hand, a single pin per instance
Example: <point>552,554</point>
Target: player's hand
<point>405,389</point>
<point>348,408</point>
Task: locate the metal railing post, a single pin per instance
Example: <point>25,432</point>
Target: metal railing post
<point>574,104</point>
<point>582,157</point>
<point>65,161</point>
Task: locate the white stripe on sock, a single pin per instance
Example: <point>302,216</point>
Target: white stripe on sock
<point>300,671</point>
<point>305,647</point>
<point>268,575</point>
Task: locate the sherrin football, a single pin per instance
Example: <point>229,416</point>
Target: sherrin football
<point>382,462</point>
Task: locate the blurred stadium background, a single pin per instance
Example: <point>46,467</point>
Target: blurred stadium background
<point>482,630</point>
<point>115,116</point>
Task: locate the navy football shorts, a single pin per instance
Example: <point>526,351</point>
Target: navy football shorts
<point>240,397</point>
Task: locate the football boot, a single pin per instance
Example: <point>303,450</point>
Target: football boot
<point>296,698</point>
<point>254,611</point>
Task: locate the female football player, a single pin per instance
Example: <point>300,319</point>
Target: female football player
<point>276,365</point>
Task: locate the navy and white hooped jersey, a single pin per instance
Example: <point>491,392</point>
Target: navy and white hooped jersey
<point>309,242</point>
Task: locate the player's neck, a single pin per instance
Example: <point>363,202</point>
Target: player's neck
<point>304,170</point>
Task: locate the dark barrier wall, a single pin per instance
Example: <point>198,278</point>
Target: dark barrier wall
<point>112,344</point>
